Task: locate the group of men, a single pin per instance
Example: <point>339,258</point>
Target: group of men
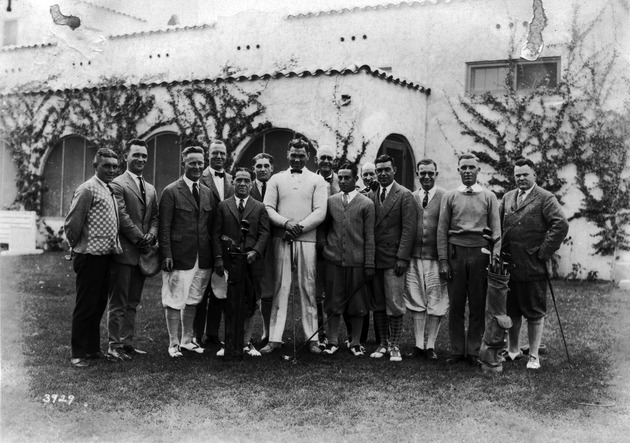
<point>343,250</point>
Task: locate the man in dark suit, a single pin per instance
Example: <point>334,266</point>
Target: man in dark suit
<point>184,237</point>
<point>263,168</point>
<point>393,234</point>
<point>208,317</point>
<point>534,227</point>
<point>91,228</point>
<point>138,214</point>
<point>227,223</point>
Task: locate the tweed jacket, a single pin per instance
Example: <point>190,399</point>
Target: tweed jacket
<point>137,218</point>
<point>532,233</point>
<point>348,233</point>
<point>301,198</point>
<point>185,228</point>
<point>227,221</point>
<point>255,193</point>
<point>425,243</point>
<point>228,188</point>
<point>395,226</point>
<point>91,225</point>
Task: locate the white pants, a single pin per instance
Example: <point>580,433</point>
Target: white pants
<point>305,256</point>
<point>424,289</point>
<point>181,288</point>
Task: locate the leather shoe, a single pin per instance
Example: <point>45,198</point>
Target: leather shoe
<point>314,348</point>
<point>192,347</point>
<point>454,359</point>
<point>212,340</point>
<point>380,352</point>
<point>117,354</point>
<point>416,352</point>
<point>79,362</point>
<point>94,355</point>
<point>271,346</point>
<point>251,350</point>
<point>174,352</point>
<point>431,355</point>
<point>132,350</point>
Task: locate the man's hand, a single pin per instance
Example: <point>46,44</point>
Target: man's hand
<point>149,239</point>
<point>445,270</point>
<point>252,256</point>
<point>167,265</point>
<point>369,274</point>
<point>400,267</point>
<point>218,266</point>
<point>294,228</point>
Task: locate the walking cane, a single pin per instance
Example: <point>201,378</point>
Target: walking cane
<point>553,297</point>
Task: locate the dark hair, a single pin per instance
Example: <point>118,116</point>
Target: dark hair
<point>383,159</point>
<point>103,153</point>
<point>262,155</point>
<point>241,169</point>
<point>467,156</point>
<point>192,150</point>
<point>525,162</point>
<point>298,143</point>
<point>135,142</point>
<point>352,167</point>
<point>426,161</point>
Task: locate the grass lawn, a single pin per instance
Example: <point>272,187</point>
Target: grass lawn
<point>334,398</point>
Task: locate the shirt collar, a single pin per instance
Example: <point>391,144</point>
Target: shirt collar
<point>351,195</point>
<point>101,182</point>
<point>244,200</point>
<point>431,192</point>
<point>526,193</point>
<point>189,182</point>
<point>476,188</point>
<point>132,175</point>
<point>387,188</point>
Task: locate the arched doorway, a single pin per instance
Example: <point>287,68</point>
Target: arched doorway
<point>68,165</point>
<point>165,160</point>
<point>397,147</point>
<point>274,142</point>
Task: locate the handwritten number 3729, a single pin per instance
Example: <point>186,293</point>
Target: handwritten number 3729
<point>54,398</point>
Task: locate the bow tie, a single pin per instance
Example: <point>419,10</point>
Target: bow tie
<point>328,179</point>
<point>296,171</point>
<point>219,174</point>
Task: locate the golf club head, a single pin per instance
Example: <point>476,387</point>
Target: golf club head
<point>488,238</point>
<point>485,251</point>
<point>487,231</point>
<point>245,227</point>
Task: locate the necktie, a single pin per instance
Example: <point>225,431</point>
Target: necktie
<point>425,201</point>
<point>296,171</point>
<point>264,189</point>
<point>196,193</point>
<point>241,208</point>
<point>344,199</point>
<point>383,196</point>
<point>111,191</point>
<point>469,190</point>
<point>521,197</point>
<point>219,174</point>
<point>142,191</point>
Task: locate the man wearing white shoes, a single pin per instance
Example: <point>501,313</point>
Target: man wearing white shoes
<point>184,233</point>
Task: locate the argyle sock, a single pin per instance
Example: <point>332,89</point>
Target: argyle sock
<point>173,325</point>
<point>381,327</point>
<point>395,329</point>
<point>265,311</point>
<point>333,329</point>
<point>188,318</point>
<point>513,334</point>
<point>433,327</point>
<point>534,333</point>
<point>357,327</point>
<point>247,335</point>
<point>419,322</point>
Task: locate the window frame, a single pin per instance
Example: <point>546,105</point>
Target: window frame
<point>470,66</point>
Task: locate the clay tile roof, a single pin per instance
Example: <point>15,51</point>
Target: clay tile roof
<point>365,8</point>
<point>163,31</point>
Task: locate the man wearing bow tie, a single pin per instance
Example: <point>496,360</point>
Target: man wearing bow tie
<point>325,159</point>
<point>296,202</point>
<point>534,227</point>
<point>263,168</point>
<point>209,311</point>
<point>138,214</point>
<point>464,213</point>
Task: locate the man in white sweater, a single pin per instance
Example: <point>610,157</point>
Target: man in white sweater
<point>296,203</point>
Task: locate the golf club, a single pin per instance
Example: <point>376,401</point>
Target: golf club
<point>555,306</point>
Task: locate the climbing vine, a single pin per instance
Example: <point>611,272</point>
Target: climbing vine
<point>220,109</point>
<point>565,127</point>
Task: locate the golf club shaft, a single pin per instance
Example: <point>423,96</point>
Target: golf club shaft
<point>555,306</point>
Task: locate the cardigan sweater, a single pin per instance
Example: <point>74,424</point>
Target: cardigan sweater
<point>463,218</point>
<point>425,243</point>
<point>349,236</point>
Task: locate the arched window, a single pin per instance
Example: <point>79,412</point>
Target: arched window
<point>165,160</point>
<point>68,165</point>
<point>397,147</point>
<point>274,142</point>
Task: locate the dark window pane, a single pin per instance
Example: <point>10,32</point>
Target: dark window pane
<point>51,197</point>
<point>168,161</point>
<point>534,75</point>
